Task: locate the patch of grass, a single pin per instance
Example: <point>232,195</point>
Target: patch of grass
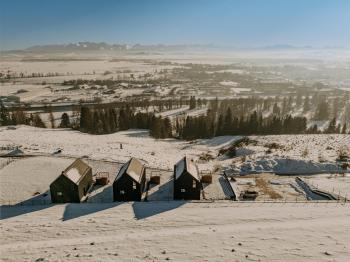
<point>273,146</point>
<point>264,187</point>
<point>305,153</point>
<point>245,141</point>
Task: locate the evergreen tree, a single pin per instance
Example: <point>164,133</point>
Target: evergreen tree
<point>211,129</point>
<point>85,119</point>
<point>332,126</point>
<point>193,102</point>
<point>338,129</point>
<point>166,128</point>
<point>19,117</point>
<point>65,122</point>
<point>322,111</point>
<point>37,121</point>
<point>112,119</point>
<point>347,113</point>
<point>253,123</point>
<point>298,100</point>
<point>155,129</point>
<point>51,118</point>
<point>343,130</point>
<point>312,130</point>
<point>123,119</point>
<point>227,125</point>
<point>289,104</point>
<point>276,110</point>
<point>306,107</point>
<point>4,115</point>
<point>284,106</point>
<point>275,126</point>
<point>220,126</point>
<point>335,107</point>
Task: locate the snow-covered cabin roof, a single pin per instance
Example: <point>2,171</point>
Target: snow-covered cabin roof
<point>133,168</point>
<point>76,170</point>
<point>186,164</point>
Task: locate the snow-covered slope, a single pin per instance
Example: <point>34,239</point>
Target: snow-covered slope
<point>293,153</point>
<point>136,143</point>
<point>20,180</point>
<point>176,231</point>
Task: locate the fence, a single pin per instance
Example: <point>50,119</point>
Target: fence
<point>337,194</point>
<point>340,202</point>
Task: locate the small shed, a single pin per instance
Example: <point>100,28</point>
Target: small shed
<point>130,181</point>
<point>187,183</point>
<point>73,183</point>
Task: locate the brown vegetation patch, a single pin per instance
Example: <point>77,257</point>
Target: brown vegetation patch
<point>265,189</point>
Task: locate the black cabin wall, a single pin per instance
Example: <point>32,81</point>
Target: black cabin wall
<point>185,181</point>
<point>126,183</point>
<point>69,190</point>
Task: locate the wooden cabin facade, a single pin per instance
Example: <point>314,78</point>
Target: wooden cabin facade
<point>130,181</point>
<point>73,183</point>
<point>187,185</point>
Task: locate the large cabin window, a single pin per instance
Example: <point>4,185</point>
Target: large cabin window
<point>183,190</point>
<point>122,192</point>
<point>194,184</point>
<point>59,193</point>
<point>134,186</point>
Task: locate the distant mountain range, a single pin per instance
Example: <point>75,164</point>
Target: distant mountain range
<point>80,46</point>
<point>92,46</point>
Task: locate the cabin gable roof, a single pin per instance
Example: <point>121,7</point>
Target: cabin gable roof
<point>133,168</point>
<point>186,165</point>
<point>76,171</point>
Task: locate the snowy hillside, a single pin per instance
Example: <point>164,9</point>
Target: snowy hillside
<point>280,153</point>
<point>294,154</point>
<point>176,231</point>
<point>135,143</point>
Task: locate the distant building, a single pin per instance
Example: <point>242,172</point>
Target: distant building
<point>187,183</point>
<point>73,183</point>
<point>130,182</point>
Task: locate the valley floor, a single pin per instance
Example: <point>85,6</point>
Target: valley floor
<point>176,231</point>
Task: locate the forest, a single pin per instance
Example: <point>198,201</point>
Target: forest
<point>243,116</point>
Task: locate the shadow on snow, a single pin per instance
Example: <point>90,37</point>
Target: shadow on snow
<point>144,210</point>
<point>33,204</point>
<point>157,205</point>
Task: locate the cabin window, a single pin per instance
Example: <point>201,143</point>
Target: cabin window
<point>183,190</point>
<point>122,192</point>
<point>59,193</point>
<point>134,185</point>
<point>194,184</point>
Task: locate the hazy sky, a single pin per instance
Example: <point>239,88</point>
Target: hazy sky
<point>25,23</point>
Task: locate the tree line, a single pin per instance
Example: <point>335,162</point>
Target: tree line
<point>226,117</point>
<point>254,124</point>
<point>109,120</point>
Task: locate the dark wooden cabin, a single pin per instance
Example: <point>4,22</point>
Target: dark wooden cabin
<point>187,183</point>
<point>73,183</point>
<point>130,182</point>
